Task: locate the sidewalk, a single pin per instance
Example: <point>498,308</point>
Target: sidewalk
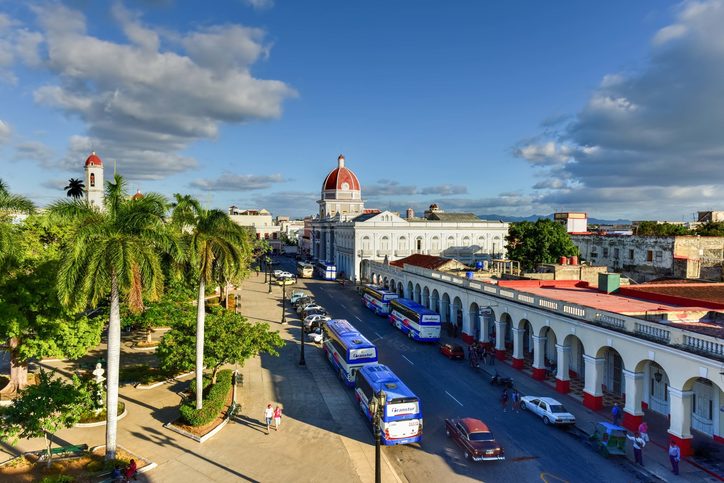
<point>655,455</point>
<point>322,436</point>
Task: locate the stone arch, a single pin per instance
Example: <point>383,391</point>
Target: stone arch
<point>426,297</point>
<point>613,367</point>
<point>384,243</point>
<point>550,354</point>
<point>418,293</point>
<point>435,301</point>
<point>400,289</point>
<point>655,387</point>
<point>409,291</point>
<point>450,241</point>
<point>392,285</point>
<point>706,399</point>
<point>435,244</point>
<point>457,315</point>
<point>576,364</point>
<point>528,331</point>
<point>385,282</point>
<point>419,244</point>
<point>366,243</point>
<point>476,328</point>
<point>445,308</point>
<point>507,324</point>
<point>466,241</point>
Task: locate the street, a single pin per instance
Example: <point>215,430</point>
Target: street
<point>447,389</point>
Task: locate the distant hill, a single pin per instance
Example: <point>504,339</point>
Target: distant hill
<point>591,221</point>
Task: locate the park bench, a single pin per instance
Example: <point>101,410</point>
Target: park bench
<point>74,449</point>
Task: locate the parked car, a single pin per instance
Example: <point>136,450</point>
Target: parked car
<point>279,274</point>
<point>276,273</point>
<point>452,351</point>
<point>296,295</point>
<point>301,301</point>
<point>314,311</point>
<point>609,439</point>
<point>311,306</point>
<point>316,335</point>
<point>475,439</point>
<point>547,408</point>
<point>313,321</point>
<point>286,281</point>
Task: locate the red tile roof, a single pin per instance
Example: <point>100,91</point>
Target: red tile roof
<point>424,261</point>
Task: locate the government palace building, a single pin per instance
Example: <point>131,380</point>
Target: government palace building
<point>345,233</point>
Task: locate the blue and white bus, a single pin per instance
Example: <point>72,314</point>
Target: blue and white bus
<point>347,349</point>
<point>377,299</point>
<point>326,270</point>
<point>402,417</point>
<point>415,320</point>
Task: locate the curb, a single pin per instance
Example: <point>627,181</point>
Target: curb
<point>102,423</point>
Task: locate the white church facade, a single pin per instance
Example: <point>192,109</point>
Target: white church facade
<point>345,233</point>
<point>94,180</point>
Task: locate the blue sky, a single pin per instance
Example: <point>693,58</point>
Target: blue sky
<point>515,107</point>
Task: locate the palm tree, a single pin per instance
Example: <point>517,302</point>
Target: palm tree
<point>115,253</point>
<point>10,204</point>
<point>75,188</point>
<point>215,245</point>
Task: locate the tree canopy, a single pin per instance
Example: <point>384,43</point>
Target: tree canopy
<point>543,241</point>
<point>229,339</point>
<point>712,228</point>
<point>653,228</point>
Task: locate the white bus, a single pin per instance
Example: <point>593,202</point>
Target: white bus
<point>415,320</point>
<point>377,299</point>
<point>305,270</point>
<point>326,271</point>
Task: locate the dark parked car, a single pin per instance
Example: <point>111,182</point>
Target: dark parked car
<point>475,439</point>
<point>452,351</point>
<point>303,301</point>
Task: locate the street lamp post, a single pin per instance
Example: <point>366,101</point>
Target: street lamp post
<point>284,302</point>
<point>266,268</point>
<point>377,408</point>
<point>302,362</point>
<point>270,273</point>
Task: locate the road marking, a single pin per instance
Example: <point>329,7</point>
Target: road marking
<point>378,335</point>
<point>453,398</point>
<point>408,360</point>
<point>360,320</point>
<point>343,306</point>
<point>545,476</point>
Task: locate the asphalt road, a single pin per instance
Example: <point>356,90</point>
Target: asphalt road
<point>534,452</point>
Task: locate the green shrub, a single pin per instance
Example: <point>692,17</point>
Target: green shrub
<point>214,401</point>
<point>142,374</point>
<point>58,479</point>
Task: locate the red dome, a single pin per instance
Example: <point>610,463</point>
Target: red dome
<point>93,160</point>
<point>340,176</point>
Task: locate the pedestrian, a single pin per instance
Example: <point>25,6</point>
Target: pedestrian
<point>268,415</point>
<point>674,456</point>
<point>616,413</point>
<point>277,418</point>
<point>638,446</point>
<point>504,400</point>
<point>644,431</point>
<point>131,471</point>
<point>515,397</point>
<point>116,474</point>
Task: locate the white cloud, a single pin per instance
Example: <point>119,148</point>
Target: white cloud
<point>444,190</point>
<point>236,182</point>
<point>146,100</point>
<point>648,139</point>
<point>260,4</point>
<point>5,131</point>
<point>33,151</point>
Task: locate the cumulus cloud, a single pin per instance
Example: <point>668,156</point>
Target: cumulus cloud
<point>444,190</point>
<point>653,132</point>
<point>236,182</point>
<point>144,101</point>
<point>34,151</point>
<point>260,4</point>
<point>386,187</point>
<point>5,131</point>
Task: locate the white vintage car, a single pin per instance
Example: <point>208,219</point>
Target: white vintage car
<point>547,408</point>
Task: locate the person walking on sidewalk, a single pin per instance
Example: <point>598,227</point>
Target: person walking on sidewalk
<point>268,415</point>
<point>504,400</point>
<point>277,418</point>
<point>674,456</point>
<point>616,413</point>
<point>638,446</point>
<point>644,431</point>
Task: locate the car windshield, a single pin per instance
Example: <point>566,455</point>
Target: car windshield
<point>481,437</point>
<point>558,408</point>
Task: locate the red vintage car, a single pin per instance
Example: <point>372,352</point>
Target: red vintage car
<point>474,437</point>
<point>452,351</point>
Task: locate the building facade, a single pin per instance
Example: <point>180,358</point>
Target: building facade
<point>345,233</point>
<point>261,222</point>
<point>664,354</point>
<point>644,258</point>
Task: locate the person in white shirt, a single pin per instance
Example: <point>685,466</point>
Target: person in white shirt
<point>268,415</point>
<point>638,445</point>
